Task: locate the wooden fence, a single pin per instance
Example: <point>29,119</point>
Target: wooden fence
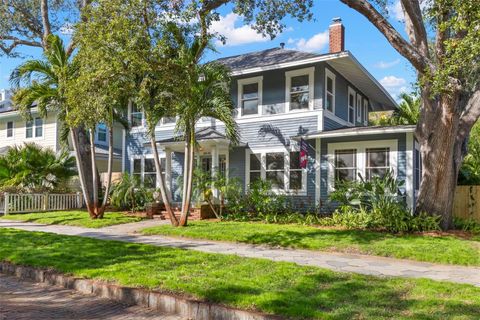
<point>467,202</point>
<point>39,202</point>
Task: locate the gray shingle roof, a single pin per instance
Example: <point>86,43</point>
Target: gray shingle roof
<point>264,58</point>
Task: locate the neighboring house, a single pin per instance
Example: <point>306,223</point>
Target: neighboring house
<point>283,97</point>
<point>16,131</point>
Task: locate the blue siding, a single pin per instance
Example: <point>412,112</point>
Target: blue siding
<point>329,124</point>
<point>177,172</point>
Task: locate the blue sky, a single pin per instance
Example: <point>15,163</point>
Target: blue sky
<point>361,38</point>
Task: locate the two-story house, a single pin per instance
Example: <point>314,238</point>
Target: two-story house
<point>45,132</point>
<point>285,98</point>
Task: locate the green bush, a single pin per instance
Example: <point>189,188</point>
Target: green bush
<point>469,225</point>
<point>129,194</point>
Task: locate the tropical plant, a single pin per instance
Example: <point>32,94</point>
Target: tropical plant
<point>407,113</point>
<point>129,194</point>
<point>470,171</point>
<point>46,84</point>
<point>31,168</point>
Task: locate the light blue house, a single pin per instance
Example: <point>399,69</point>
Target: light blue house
<point>282,97</point>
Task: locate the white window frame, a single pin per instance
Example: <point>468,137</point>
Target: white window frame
<point>355,151</point>
<point>263,172</point>
<point>13,130</point>
<point>349,107</point>
<point>242,82</point>
<point>34,129</point>
<point>97,134</point>
<point>358,108</point>
<point>366,160</point>
<point>310,72</point>
<point>361,147</point>
<point>365,112</point>
<point>130,115</point>
<point>142,167</point>
<point>332,76</point>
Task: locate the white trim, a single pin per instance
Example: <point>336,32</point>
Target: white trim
<point>291,64</point>
<point>34,129</point>
<point>280,116</point>
<point>330,74</point>
<point>286,151</point>
<point>242,82</point>
<point>310,72</point>
<point>124,148</point>
<point>318,159</point>
<point>358,108</point>
<point>409,183</point>
<point>354,93</point>
<point>361,147</point>
<point>13,130</point>
<point>337,119</point>
<point>360,132</point>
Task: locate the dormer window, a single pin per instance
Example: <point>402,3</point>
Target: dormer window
<point>249,96</point>
<point>329,91</point>
<point>136,116</point>
<point>300,89</point>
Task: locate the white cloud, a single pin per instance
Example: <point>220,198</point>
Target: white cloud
<point>235,35</point>
<point>387,64</point>
<point>316,43</point>
<point>396,11</point>
<point>67,29</point>
<point>394,85</point>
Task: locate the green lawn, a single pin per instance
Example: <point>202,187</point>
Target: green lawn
<point>73,218</point>
<point>439,249</point>
<point>274,287</point>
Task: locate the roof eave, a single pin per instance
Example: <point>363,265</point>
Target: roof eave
<point>361,131</point>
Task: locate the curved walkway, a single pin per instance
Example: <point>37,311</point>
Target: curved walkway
<point>362,264</point>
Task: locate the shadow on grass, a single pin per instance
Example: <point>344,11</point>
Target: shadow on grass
<point>279,288</point>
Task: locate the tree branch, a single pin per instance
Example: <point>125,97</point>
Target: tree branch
<point>406,49</point>
<point>7,49</point>
<point>415,26</point>
<point>470,114</point>
<point>45,21</point>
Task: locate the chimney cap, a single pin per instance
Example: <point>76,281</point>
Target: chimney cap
<point>282,45</point>
<point>336,20</point>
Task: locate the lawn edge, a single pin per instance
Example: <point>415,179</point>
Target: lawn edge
<point>157,300</point>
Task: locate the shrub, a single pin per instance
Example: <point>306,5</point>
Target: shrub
<point>129,194</point>
<point>469,225</point>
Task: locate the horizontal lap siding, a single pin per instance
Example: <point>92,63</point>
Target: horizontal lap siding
<point>401,156</point>
<point>329,124</point>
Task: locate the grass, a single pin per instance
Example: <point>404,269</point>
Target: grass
<point>274,287</point>
<point>437,249</point>
<point>73,218</point>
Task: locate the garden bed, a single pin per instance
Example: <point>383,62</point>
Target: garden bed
<point>255,284</point>
<point>430,247</point>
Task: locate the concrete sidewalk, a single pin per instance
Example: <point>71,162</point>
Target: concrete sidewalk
<point>362,264</point>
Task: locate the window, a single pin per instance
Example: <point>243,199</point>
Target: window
<point>102,133</point>
<point>149,174</point>
<point>169,120</point>
<point>359,108</point>
<point>346,165</point>
<point>418,168</point>
<point>296,172</point>
<point>137,168</point>
<point>299,89</point>
<point>9,129</point>
<point>329,91</point>
<point>34,128</point>
<point>365,111</point>
<point>136,117</point>
<point>255,167</point>
<point>351,105</point>
<point>275,169</point>
<point>377,162</point>
<point>249,96</point>
<point>222,163</point>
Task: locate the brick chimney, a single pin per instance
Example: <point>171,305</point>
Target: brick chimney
<point>337,36</point>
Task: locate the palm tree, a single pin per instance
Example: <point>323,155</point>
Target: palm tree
<point>46,85</point>
<point>408,111</point>
<point>207,95</point>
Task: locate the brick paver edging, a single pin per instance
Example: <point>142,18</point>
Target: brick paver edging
<point>188,308</point>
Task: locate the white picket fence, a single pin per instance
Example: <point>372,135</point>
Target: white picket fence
<point>39,202</point>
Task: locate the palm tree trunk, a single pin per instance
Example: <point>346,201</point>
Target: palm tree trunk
<point>81,172</point>
<point>188,196</point>
<point>109,172</point>
<point>185,173</point>
<point>94,175</point>
<point>163,191</point>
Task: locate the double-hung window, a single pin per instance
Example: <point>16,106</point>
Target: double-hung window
<point>351,105</point>
<point>359,108</point>
<point>249,96</point>
<point>144,169</point>
<point>275,169</point>
<point>255,167</point>
<point>9,129</point>
<point>378,162</point>
<point>137,168</point>
<point>102,133</point>
<point>365,111</point>
<point>296,171</point>
<point>34,128</point>
<point>329,91</point>
<point>346,165</point>
<point>136,116</point>
<point>299,89</point>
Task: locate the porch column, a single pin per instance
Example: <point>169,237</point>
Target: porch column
<point>215,169</point>
<point>168,172</point>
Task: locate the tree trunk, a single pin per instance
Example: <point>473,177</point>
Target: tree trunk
<point>185,174</point>
<point>94,212</point>
<point>188,184</point>
<point>84,157</point>
<point>101,211</point>
<point>442,157</point>
<point>80,168</point>
<point>163,192</point>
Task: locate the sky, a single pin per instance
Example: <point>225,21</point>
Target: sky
<point>362,39</point>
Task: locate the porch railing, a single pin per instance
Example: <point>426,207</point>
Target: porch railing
<point>39,202</point>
